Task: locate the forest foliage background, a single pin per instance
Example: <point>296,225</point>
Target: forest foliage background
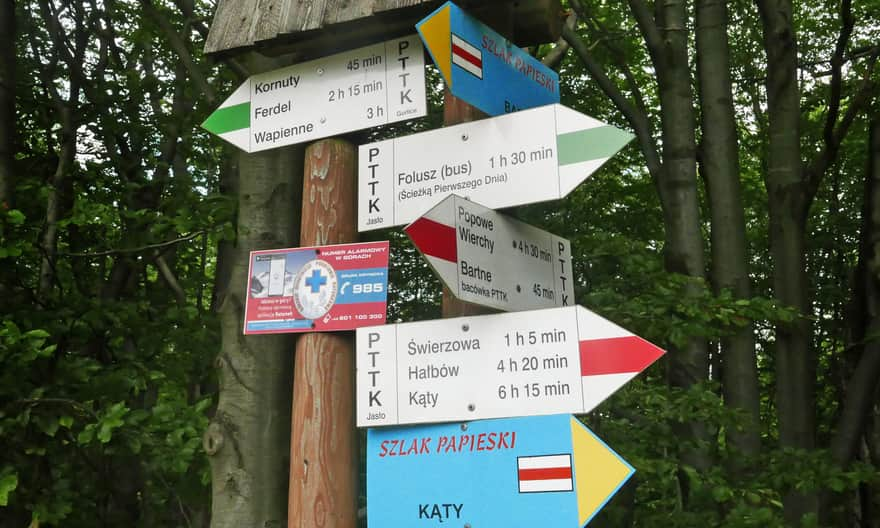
<point>739,230</point>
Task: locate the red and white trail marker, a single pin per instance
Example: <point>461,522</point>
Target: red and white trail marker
<point>558,360</point>
<point>539,474</point>
<point>467,57</point>
<point>488,258</point>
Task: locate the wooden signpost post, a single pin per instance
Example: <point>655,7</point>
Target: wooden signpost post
<point>323,447</point>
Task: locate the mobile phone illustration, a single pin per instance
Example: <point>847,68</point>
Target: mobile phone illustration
<point>277,268</point>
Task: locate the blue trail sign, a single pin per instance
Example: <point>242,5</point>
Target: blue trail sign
<point>482,67</point>
<point>535,471</point>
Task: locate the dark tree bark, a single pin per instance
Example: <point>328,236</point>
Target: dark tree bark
<point>719,163</point>
<point>666,35</point>
<point>862,387</point>
<point>7,101</point>
<point>69,52</point>
<point>791,185</point>
<point>788,205</point>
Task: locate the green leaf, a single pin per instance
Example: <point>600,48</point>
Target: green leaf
<point>49,426</point>
<point>47,351</point>
<point>112,420</point>
<point>15,217</point>
<point>836,484</point>
<point>86,435</point>
<point>37,333</point>
<point>105,433</point>
<point>8,483</point>
<point>66,421</point>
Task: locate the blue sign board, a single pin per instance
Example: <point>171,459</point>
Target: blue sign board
<point>533,471</point>
<point>482,67</point>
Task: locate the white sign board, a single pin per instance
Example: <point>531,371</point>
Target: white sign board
<point>362,88</point>
<point>488,258</point>
<point>558,360</point>
<point>525,157</point>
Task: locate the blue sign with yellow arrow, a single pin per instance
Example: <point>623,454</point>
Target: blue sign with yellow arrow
<point>482,67</point>
<point>533,471</point>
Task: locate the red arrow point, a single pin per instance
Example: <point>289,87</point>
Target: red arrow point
<point>617,355</point>
<point>433,238</point>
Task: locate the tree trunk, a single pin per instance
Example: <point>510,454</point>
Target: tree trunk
<point>667,39</point>
<point>719,162</point>
<point>248,438</point>
<point>54,213</point>
<point>7,101</point>
<point>788,204</point>
<point>666,36</point>
<point>861,389</point>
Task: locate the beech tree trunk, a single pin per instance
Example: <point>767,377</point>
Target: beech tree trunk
<point>667,38</point>
<point>248,439</point>
<point>720,167</point>
<point>788,206</point>
<point>665,31</point>
<point>861,389</point>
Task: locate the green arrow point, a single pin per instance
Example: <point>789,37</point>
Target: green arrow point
<point>590,144</point>
<point>229,118</point>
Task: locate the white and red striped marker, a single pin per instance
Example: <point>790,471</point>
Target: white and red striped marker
<point>488,258</point>
<point>558,360</point>
<point>540,474</point>
<point>466,56</point>
<point>482,67</point>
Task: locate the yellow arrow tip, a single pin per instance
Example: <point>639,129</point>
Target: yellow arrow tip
<point>599,472</point>
<point>435,31</point>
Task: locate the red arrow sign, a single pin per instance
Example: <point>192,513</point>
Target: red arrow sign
<point>617,355</point>
<point>433,239</point>
<point>559,360</point>
<point>488,258</point>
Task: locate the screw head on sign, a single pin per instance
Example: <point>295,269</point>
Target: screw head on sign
<point>471,407</point>
<point>465,328</point>
<point>518,289</point>
<point>464,137</point>
<point>467,525</point>
<point>320,71</point>
<point>323,120</point>
<point>464,427</point>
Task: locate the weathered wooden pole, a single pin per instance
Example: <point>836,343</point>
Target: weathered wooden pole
<point>323,488</point>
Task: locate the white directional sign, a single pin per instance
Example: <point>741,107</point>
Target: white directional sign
<point>529,156</point>
<point>558,360</point>
<point>488,258</point>
<point>362,88</point>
